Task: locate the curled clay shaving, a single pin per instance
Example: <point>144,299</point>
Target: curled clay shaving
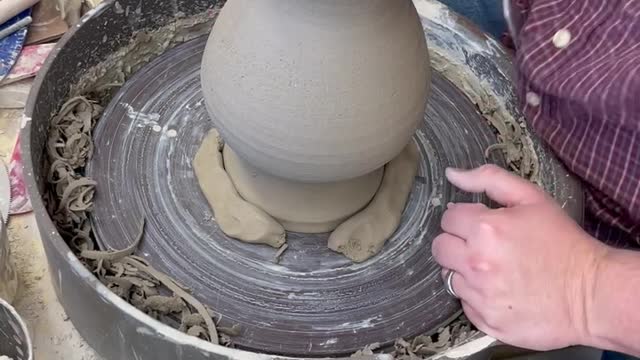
<point>69,201</point>
<point>423,346</point>
<point>367,351</point>
<point>116,255</point>
<point>513,137</point>
<point>512,141</point>
<point>171,285</point>
<point>279,253</point>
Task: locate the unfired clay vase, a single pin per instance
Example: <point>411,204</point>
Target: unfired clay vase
<point>317,91</point>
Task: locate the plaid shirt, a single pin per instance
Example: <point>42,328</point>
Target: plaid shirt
<point>579,83</point>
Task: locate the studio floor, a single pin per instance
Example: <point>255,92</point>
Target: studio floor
<point>53,335</point>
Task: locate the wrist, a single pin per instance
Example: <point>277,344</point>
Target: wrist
<point>607,303</point>
<point>586,286</point>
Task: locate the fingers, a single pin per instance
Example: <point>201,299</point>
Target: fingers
<point>499,184</point>
<point>450,252</point>
<point>462,220</point>
<point>459,285</point>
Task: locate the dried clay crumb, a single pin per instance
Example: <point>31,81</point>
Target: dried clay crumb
<point>279,253</point>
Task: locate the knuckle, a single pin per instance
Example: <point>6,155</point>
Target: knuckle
<point>436,247</point>
<point>478,263</point>
<point>490,169</point>
<point>475,208</point>
<point>468,211</point>
<point>445,218</point>
<point>481,206</point>
<point>486,228</point>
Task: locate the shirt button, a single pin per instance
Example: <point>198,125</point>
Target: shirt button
<point>562,39</point>
<point>533,99</point>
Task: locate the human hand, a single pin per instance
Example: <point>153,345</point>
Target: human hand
<point>525,272</point>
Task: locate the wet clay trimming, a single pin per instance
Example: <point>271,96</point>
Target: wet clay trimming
<point>70,200</point>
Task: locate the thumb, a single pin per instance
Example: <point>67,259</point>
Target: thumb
<point>500,185</point>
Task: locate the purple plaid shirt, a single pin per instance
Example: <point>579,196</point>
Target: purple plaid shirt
<point>579,81</point>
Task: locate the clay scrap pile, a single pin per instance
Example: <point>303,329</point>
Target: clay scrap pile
<point>70,200</point>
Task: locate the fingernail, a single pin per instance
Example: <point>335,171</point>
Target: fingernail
<point>450,205</point>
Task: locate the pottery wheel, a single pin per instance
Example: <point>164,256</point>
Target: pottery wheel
<point>314,302</point>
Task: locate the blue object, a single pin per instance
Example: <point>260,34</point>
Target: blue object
<point>11,46</point>
<point>609,355</point>
<point>487,14</point>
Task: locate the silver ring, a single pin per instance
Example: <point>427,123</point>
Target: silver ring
<point>449,284</point>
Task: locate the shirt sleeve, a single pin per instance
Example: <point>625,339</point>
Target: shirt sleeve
<point>579,87</point>
<point>585,53</point>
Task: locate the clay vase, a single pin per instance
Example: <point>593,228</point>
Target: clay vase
<point>317,91</point>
